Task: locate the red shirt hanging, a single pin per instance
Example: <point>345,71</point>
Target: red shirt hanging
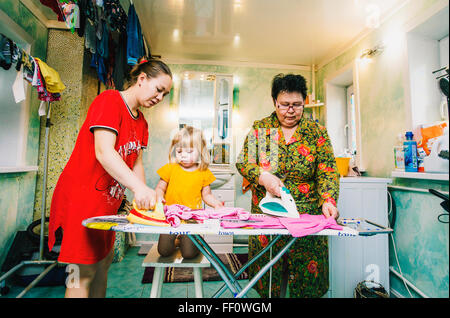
<point>85,189</point>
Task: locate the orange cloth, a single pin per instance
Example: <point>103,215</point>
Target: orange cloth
<point>245,185</point>
<point>185,187</point>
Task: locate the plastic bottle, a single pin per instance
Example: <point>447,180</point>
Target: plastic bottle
<point>399,154</point>
<point>410,147</point>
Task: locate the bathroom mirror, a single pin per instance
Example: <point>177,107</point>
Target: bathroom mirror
<point>206,103</point>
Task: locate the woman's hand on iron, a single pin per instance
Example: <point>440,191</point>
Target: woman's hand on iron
<point>145,198</point>
<point>328,209</point>
<point>271,183</point>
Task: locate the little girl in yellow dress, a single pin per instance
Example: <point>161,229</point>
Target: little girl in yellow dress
<point>185,180</point>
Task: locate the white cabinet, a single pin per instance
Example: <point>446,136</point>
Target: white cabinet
<point>354,259</point>
<point>224,190</point>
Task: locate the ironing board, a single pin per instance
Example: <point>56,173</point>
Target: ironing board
<point>119,223</point>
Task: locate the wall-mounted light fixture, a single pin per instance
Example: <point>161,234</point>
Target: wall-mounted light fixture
<point>368,54</point>
<point>236,39</point>
<point>176,35</point>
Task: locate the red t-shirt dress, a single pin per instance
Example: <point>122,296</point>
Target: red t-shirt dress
<point>84,188</point>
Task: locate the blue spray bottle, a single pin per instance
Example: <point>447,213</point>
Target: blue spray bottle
<point>410,147</point>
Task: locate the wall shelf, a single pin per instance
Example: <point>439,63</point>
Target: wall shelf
<point>314,105</point>
<point>420,175</point>
<point>18,169</point>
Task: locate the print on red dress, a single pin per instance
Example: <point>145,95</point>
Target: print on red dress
<point>112,189</point>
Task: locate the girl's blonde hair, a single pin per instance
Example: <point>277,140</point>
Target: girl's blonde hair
<point>190,137</point>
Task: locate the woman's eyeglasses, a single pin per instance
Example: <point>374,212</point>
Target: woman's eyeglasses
<point>295,106</point>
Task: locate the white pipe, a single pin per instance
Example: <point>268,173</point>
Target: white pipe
<point>413,189</point>
<point>396,293</point>
<point>417,290</point>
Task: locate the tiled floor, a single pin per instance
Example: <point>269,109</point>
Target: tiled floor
<point>124,281</point>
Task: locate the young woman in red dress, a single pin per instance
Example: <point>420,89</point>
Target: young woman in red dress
<point>106,160</point>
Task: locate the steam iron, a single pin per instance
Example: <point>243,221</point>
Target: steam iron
<point>154,217</point>
<point>284,206</point>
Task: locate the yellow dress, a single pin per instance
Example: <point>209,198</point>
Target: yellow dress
<point>184,187</point>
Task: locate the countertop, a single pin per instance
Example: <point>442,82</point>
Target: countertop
<point>364,180</point>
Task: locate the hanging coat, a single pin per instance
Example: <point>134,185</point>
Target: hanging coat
<point>135,47</point>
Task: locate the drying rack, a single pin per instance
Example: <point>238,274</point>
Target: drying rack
<point>41,260</point>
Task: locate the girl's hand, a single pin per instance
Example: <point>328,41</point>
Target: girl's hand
<point>328,209</point>
<point>145,198</point>
<point>271,183</point>
<point>218,205</point>
<point>160,189</point>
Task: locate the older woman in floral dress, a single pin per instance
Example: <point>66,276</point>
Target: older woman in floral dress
<point>288,149</point>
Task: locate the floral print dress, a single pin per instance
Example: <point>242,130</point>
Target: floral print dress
<point>307,167</point>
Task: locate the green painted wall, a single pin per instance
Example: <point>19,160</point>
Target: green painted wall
<point>421,241</point>
<point>17,190</point>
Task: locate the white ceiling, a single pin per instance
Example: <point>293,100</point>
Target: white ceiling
<point>294,32</point>
<point>297,32</point>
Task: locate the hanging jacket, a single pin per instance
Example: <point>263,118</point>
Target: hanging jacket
<point>6,52</point>
<point>135,48</point>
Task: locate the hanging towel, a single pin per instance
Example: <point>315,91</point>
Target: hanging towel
<point>71,13</point>
<point>82,4</point>
<point>43,94</point>
<point>102,43</point>
<point>120,66</point>
<point>53,4</point>
<point>117,18</point>
<point>134,37</point>
<point>98,63</point>
<point>51,77</point>
<point>90,41</point>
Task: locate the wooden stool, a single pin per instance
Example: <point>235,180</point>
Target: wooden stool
<point>160,263</point>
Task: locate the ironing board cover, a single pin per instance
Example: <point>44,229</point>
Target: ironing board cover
<point>351,227</point>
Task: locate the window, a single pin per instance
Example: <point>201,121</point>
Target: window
<point>342,114</point>
<point>427,49</point>
<point>351,121</point>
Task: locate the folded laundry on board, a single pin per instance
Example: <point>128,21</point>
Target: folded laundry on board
<point>154,217</point>
<point>175,213</point>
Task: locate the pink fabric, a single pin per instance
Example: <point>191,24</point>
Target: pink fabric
<point>257,221</point>
<point>177,212</point>
<point>298,227</point>
<point>309,224</point>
